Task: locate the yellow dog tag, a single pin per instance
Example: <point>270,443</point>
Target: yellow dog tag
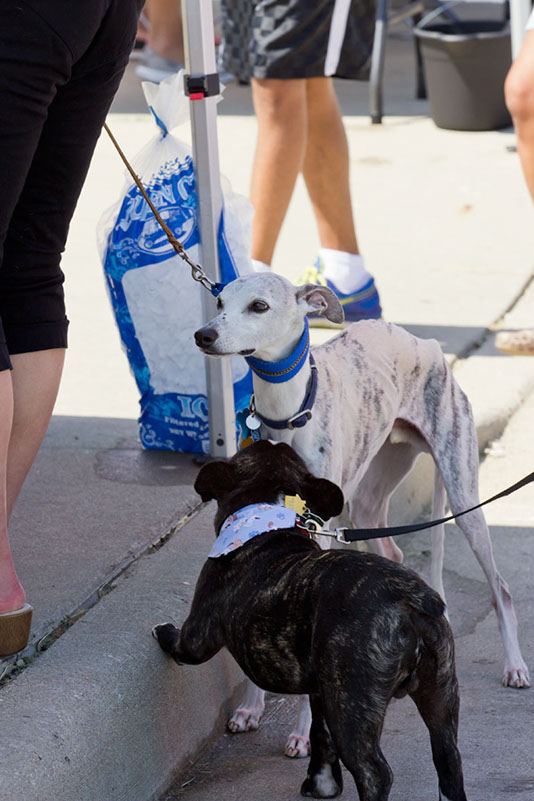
<point>296,503</point>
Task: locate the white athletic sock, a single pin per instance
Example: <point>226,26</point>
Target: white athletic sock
<point>346,270</point>
<point>260,266</point>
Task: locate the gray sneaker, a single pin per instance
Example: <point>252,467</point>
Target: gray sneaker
<point>156,68</point>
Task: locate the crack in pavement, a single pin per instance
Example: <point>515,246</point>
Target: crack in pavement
<point>11,667</point>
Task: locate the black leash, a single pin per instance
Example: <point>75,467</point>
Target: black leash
<point>358,534</point>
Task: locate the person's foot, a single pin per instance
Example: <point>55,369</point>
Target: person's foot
<point>363,304</point>
<point>227,78</point>
<point>156,68</point>
<point>12,595</point>
<point>516,343</point>
<point>15,613</point>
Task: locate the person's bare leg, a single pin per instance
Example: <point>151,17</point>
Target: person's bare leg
<point>519,93</point>
<point>326,168</point>
<point>280,107</point>
<point>143,25</point>
<point>27,397</point>
<point>11,593</point>
<point>165,36</point>
<point>35,378</point>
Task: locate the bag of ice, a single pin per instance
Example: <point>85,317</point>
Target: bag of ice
<point>156,303</point>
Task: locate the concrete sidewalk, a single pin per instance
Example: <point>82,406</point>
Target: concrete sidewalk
<point>109,539</point>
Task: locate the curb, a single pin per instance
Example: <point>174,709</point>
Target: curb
<point>104,714</point>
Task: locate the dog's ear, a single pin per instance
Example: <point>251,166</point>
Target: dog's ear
<point>214,480</point>
<point>320,300</point>
<point>323,497</point>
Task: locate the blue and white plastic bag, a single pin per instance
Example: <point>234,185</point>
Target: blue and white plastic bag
<point>156,302</point>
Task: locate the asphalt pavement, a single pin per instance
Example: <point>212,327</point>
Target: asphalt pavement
<point>108,538</point>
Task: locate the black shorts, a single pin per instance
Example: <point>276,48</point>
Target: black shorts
<point>61,62</point>
<point>298,38</point>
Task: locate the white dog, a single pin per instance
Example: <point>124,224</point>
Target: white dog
<point>382,396</point>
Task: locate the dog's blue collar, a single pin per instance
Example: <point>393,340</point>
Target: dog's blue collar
<point>278,372</point>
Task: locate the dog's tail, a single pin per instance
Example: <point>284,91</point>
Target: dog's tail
<point>408,587</point>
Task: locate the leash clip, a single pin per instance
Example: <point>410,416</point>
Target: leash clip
<point>313,524</point>
<point>198,274</point>
<point>338,534</point>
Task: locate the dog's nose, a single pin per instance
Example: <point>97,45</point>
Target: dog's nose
<point>205,337</point>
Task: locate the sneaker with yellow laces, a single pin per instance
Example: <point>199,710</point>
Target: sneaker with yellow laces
<point>364,304</point>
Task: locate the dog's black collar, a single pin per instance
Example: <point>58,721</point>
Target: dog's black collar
<point>304,413</point>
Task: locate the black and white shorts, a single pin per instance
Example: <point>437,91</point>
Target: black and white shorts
<point>297,38</point>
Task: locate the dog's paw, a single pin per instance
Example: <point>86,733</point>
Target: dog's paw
<point>167,636</point>
<point>297,746</point>
<point>516,676</point>
<point>157,627</point>
<point>244,720</point>
<point>323,784</point>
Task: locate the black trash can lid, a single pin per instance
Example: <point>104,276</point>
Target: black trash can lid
<point>463,29</point>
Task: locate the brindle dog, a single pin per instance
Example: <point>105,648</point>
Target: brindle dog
<point>351,629</point>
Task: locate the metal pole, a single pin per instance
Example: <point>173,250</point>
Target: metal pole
<point>199,42</point>
<point>377,62</point>
<point>519,14</point>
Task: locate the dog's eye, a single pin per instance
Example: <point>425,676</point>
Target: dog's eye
<point>259,306</point>
<point>219,304</point>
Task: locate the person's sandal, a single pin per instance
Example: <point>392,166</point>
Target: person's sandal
<point>15,630</point>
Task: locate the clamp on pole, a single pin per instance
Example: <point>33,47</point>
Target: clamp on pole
<point>199,86</point>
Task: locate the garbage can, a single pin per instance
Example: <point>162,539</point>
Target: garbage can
<point>465,63</point>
